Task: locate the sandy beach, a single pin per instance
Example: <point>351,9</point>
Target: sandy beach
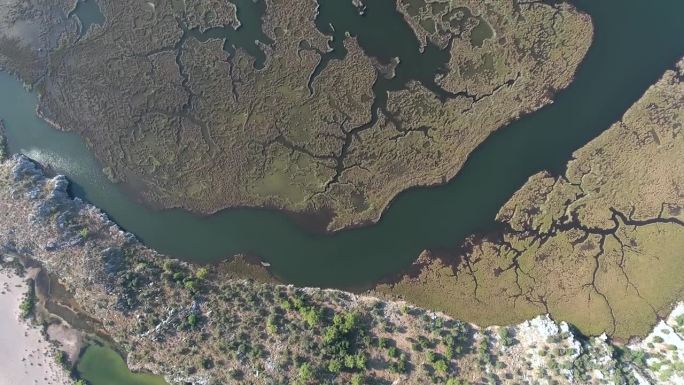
<point>25,356</point>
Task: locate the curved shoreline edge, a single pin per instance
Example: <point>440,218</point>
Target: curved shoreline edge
<point>98,264</point>
<point>587,245</point>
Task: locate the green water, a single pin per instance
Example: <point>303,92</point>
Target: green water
<point>100,365</point>
<point>635,42</point>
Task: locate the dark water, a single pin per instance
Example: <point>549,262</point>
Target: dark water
<point>383,34</point>
<point>88,13</point>
<point>246,36</point>
<point>635,42</point>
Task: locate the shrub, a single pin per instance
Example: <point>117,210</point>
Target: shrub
<point>430,356</point>
<point>169,266</point>
<point>306,373</point>
<point>193,320</point>
<point>441,366</point>
<point>334,366</point>
<point>357,379</point>
<point>61,359</point>
<point>28,303</point>
<point>680,320</point>
<point>236,374</point>
<point>361,361</point>
<point>349,362</point>
<point>190,285</point>
<point>310,315</point>
<point>398,366</point>
<point>456,381</point>
<point>286,305</point>
<point>638,357</point>
<point>271,326</point>
<point>202,273</point>
<point>505,337</point>
<point>424,342</point>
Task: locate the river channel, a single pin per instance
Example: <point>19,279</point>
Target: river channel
<point>635,42</point>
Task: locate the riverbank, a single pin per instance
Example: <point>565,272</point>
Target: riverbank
<point>598,245</point>
<point>435,217</point>
<point>198,325</point>
<point>26,357</point>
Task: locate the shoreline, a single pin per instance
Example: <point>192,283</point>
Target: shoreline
<point>156,318</point>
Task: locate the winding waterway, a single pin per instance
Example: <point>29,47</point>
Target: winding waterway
<point>635,42</point>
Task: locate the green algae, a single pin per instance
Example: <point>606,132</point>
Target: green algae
<point>101,365</point>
